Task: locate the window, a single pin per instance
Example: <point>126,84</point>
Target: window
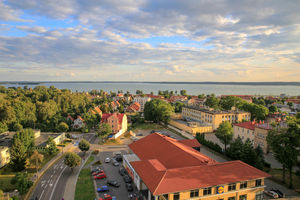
<point>243,197</point>
<point>258,182</point>
<point>231,187</point>
<point>231,198</point>
<point>194,193</point>
<point>176,196</point>
<point>207,191</point>
<point>243,185</point>
<point>259,196</point>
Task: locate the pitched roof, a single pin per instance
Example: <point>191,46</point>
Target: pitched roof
<point>157,146</point>
<point>190,142</point>
<point>105,116</point>
<point>248,125</point>
<point>161,181</point>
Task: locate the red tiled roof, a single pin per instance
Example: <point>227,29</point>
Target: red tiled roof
<point>134,107</point>
<point>105,116</point>
<point>157,146</point>
<point>194,177</point>
<point>248,125</point>
<point>97,109</point>
<point>296,101</point>
<point>190,142</point>
<point>79,117</point>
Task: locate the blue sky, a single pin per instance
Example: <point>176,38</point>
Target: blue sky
<point>149,40</point>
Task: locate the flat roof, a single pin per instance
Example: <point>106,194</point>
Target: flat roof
<point>210,111</point>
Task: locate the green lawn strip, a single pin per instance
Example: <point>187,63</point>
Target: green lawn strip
<point>277,177</point>
<point>91,159</point>
<point>85,186</point>
<point>5,184</point>
<point>146,126</point>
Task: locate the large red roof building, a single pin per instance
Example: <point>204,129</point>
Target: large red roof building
<point>171,169</point>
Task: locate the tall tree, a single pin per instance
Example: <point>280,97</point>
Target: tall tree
<point>235,149</point>
<point>18,155</point>
<point>158,110</point>
<point>225,133</point>
<point>51,146</point>
<point>72,160</point>
<point>22,182</point>
<point>36,159</point>
<point>104,129</point>
<point>212,101</point>
<point>63,127</point>
<point>84,145</point>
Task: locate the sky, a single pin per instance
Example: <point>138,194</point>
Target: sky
<point>150,40</point>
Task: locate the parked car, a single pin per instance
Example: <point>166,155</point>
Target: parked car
<point>129,187</point>
<point>107,160</point>
<point>119,158</point>
<point>98,173</point>
<point>100,176</point>
<point>103,188</point>
<point>127,179</point>
<point>115,162</point>
<point>117,153</point>
<point>122,171</point>
<point>105,197</point>
<point>140,134</point>
<point>280,194</point>
<point>272,194</point>
<point>95,170</point>
<point>113,183</point>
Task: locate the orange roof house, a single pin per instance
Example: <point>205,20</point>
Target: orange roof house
<point>117,121</point>
<point>168,166</point>
<point>135,107</point>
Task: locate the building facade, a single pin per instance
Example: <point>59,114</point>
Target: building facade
<point>214,117</point>
<point>142,101</point>
<point>167,169</point>
<point>244,130</point>
<point>117,122</point>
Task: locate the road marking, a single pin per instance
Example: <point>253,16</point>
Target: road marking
<point>42,194</point>
<point>53,189</point>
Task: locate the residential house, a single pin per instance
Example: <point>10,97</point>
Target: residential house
<point>78,123</point>
<point>96,110</point>
<point>117,122</point>
<point>244,130</point>
<point>165,168</point>
<point>142,101</point>
<point>133,108</point>
<point>213,117</point>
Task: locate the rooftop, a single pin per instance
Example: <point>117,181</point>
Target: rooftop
<point>212,111</point>
<point>248,125</point>
<point>185,168</point>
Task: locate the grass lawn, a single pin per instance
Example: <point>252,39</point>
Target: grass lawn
<point>112,142</point>
<point>85,186</point>
<point>91,159</point>
<point>5,184</point>
<point>277,176</point>
<point>147,126</point>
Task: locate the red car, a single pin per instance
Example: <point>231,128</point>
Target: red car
<point>96,173</point>
<point>100,176</point>
<point>106,197</point>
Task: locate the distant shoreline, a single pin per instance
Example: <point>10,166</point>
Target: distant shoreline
<point>162,82</point>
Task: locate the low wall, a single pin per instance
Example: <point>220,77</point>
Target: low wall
<point>185,134</point>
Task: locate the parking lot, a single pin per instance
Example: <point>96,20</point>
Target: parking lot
<point>112,173</point>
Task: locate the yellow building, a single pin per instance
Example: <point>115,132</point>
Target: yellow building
<point>4,155</point>
<point>261,132</point>
<point>214,117</point>
<point>191,127</point>
<point>166,169</point>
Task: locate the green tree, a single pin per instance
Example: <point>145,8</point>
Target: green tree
<point>90,119</point>
<point>18,155</point>
<point>183,92</point>
<point>258,112</point>
<point>225,133</point>
<point>51,146</point>
<point>284,143</point>
<point>3,127</point>
<point>235,149</point>
<point>290,104</point>
<point>248,153</point>
<point>273,109</point>
<point>104,129</point>
<point>228,102</point>
<point>22,182</point>
<point>72,160</point>
<point>212,101</point>
<point>178,107</point>
<point>36,159</point>
<point>84,145</point>
<point>27,138</point>
<point>63,127</point>
<point>158,110</point>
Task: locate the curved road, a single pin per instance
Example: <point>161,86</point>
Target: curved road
<point>52,184</point>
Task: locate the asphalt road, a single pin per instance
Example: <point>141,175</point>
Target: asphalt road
<point>52,184</point>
